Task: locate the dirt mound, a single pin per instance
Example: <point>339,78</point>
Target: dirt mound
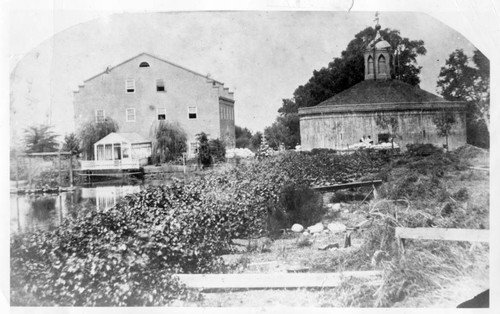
<point>471,151</point>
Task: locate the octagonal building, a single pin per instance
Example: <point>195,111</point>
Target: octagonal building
<point>381,109</point>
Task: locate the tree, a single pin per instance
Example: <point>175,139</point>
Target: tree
<point>210,151</point>
<point>91,132</point>
<point>40,139</point>
<point>169,141</point>
<point>243,137</point>
<point>256,140</point>
<point>71,144</point>
<point>348,70</point>
<point>340,74</point>
<point>444,122</point>
<point>459,80</point>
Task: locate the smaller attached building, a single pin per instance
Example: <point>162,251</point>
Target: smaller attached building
<point>119,151</point>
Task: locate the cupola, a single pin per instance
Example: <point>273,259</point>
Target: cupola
<point>378,58</point>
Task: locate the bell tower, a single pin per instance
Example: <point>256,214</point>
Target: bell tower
<point>378,57</point>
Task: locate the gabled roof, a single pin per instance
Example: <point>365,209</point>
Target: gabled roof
<point>382,91</point>
<point>152,56</point>
<point>132,138</point>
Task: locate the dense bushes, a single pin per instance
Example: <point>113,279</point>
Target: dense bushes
<point>127,255</point>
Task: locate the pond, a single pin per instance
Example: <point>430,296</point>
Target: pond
<point>46,212</point>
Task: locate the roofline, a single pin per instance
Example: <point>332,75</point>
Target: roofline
<point>393,106</point>
<point>226,99</point>
<point>152,56</point>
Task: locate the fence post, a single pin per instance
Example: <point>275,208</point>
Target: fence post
<point>59,168</point>
<point>29,172</point>
<point>71,170</point>
<point>17,172</point>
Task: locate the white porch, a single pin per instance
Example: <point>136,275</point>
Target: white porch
<point>119,151</point>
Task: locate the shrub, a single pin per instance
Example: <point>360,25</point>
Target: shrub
<point>422,149</point>
<point>169,142</point>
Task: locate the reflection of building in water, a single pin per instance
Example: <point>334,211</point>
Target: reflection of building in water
<point>107,196</point>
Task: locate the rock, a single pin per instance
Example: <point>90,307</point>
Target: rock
<point>334,207</point>
<point>346,211</point>
<point>336,227</point>
<point>297,228</point>
<point>328,246</point>
<point>378,256</point>
<point>316,228</point>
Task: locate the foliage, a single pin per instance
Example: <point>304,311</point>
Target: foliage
<point>169,142</point>
<point>444,122</point>
<point>40,139</point>
<point>256,140</point>
<point>129,254</point>
<point>422,149</point>
<point>91,132</point>
<point>460,81</point>
<point>71,144</point>
<point>243,137</point>
<point>285,130</point>
<point>210,151</point>
<point>217,150</point>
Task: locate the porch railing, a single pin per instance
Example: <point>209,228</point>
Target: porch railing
<point>112,164</point>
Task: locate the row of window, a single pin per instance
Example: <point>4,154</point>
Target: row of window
<point>381,64</point>
<point>130,115</point>
<point>226,113</point>
<point>130,86</point>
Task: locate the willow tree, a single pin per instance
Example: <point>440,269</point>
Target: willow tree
<point>93,131</point>
<point>169,141</point>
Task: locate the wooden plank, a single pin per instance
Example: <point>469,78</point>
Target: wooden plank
<point>347,185</point>
<point>479,168</point>
<point>273,280</point>
<point>471,235</point>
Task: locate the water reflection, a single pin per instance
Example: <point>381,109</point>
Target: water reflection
<point>31,212</point>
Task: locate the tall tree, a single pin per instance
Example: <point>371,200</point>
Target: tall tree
<point>71,144</point>
<point>243,137</point>
<point>463,80</point>
<point>40,139</point>
<point>92,132</point>
<point>348,70</point>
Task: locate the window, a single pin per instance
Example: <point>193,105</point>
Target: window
<point>193,148</point>
<point>144,65</point>
<point>130,86</point>
<point>192,112</point>
<point>162,113</point>
<point>370,65</point>
<point>99,115</point>
<point>108,154</point>
<point>130,114</point>
<point>384,137</point>
<point>381,64</point>
<point>100,152</point>
<point>160,86</point>
<point>117,148</point>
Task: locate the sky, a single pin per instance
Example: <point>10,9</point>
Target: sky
<point>262,56</point>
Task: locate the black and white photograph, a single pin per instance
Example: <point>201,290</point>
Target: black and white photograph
<point>330,155</point>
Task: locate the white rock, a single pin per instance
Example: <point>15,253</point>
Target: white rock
<point>316,228</point>
<point>297,228</point>
<point>334,207</point>
<point>336,227</point>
